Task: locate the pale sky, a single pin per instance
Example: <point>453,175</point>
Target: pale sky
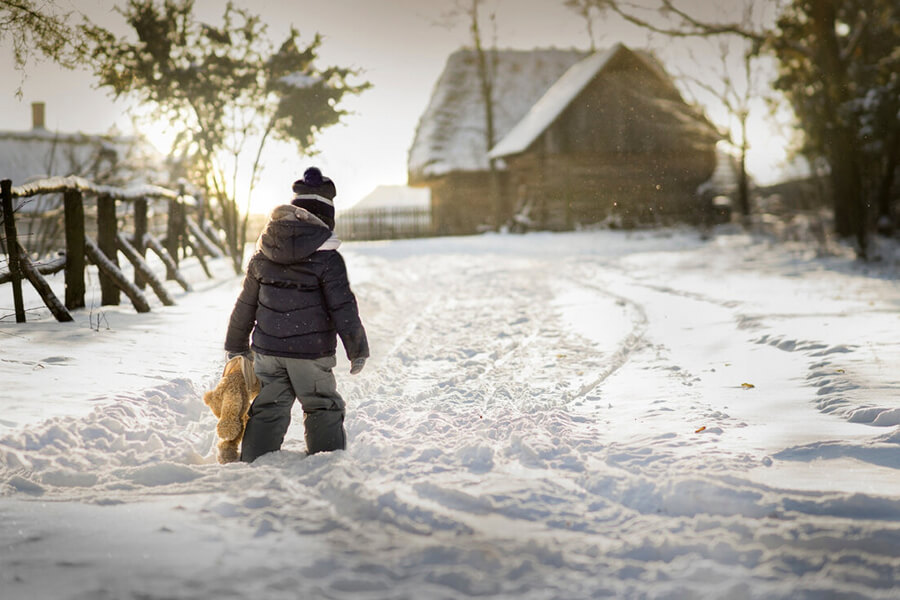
<point>399,46</point>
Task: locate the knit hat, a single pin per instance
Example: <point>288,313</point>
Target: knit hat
<point>315,193</point>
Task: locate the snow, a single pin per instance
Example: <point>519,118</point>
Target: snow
<point>543,416</point>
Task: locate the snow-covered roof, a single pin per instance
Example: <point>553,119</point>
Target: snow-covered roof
<point>395,196</point>
<point>546,110</point>
<point>562,93</point>
<point>451,132</point>
<point>37,153</point>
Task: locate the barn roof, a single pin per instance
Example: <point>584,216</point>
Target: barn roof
<point>546,110</point>
<point>555,101</point>
<point>450,134</point>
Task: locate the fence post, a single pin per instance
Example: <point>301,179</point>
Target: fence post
<point>107,228</point>
<point>182,223</point>
<point>140,230</point>
<point>73,206</point>
<point>12,249</point>
<point>173,234</point>
<point>201,208</point>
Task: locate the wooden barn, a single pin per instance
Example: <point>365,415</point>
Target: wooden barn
<point>582,139</point>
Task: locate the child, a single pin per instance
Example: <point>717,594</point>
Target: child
<point>296,299</point>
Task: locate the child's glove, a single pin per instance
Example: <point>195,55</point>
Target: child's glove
<point>246,354</point>
<point>356,365</point>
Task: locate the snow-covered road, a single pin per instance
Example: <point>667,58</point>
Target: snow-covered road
<point>581,415</point>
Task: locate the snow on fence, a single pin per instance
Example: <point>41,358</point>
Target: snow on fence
<point>182,232</point>
<point>384,223</point>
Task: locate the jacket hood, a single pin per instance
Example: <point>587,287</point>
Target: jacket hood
<point>291,235</point>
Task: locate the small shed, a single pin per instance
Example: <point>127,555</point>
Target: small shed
<point>388,212</point>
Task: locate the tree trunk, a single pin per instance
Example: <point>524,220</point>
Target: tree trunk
<point>846,184</point>
<point>743,186</point>
<point>840,142</point>
<point>486,81</point>
<point>885,212</point>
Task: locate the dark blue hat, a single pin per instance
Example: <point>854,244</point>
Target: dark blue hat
<point>315,193</point>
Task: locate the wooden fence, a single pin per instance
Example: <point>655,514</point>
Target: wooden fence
<point>384,224</point>
<point>183,233</point>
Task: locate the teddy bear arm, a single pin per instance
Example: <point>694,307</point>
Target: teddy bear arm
<point>213,399</point>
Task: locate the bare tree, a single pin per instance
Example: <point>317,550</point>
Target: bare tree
<point>733,83</point>
<point>487,69</point>
<point>588,10</point>
<point>486,65</point>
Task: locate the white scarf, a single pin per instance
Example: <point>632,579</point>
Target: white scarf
<point>290,212</point>
<point>332,243</point>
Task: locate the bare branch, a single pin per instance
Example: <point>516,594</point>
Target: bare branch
<point>694,26</point>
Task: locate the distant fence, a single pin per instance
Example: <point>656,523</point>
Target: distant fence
<point>183,233</point>
<point>384,224</point>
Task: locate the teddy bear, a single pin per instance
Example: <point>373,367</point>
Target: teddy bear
<point>229,402</point>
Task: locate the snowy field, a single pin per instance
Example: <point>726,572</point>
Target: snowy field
<point>581,415</point>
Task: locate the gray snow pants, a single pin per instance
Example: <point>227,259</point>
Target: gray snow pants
<point>283,380</point>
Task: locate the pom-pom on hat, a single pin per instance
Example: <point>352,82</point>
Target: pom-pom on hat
<point>315,193</point>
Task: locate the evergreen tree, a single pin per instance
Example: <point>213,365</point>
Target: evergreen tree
<point>840,68</point>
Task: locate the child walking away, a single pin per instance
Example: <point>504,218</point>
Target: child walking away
<point>296,300</point>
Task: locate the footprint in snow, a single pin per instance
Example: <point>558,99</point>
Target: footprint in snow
<point>57,360</point>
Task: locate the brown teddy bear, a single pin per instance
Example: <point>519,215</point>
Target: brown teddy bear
<point>230,402</point>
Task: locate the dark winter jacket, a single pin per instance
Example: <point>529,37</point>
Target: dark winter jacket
<point>296,297</point>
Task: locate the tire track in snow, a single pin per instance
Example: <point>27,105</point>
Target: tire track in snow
<point>633,341</point>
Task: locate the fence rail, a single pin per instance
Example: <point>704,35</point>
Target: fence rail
<point>182,234</point>
<point>72,183</point>
<point>384,223</point>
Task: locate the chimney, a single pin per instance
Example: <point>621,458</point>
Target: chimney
<point>37,115</point>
